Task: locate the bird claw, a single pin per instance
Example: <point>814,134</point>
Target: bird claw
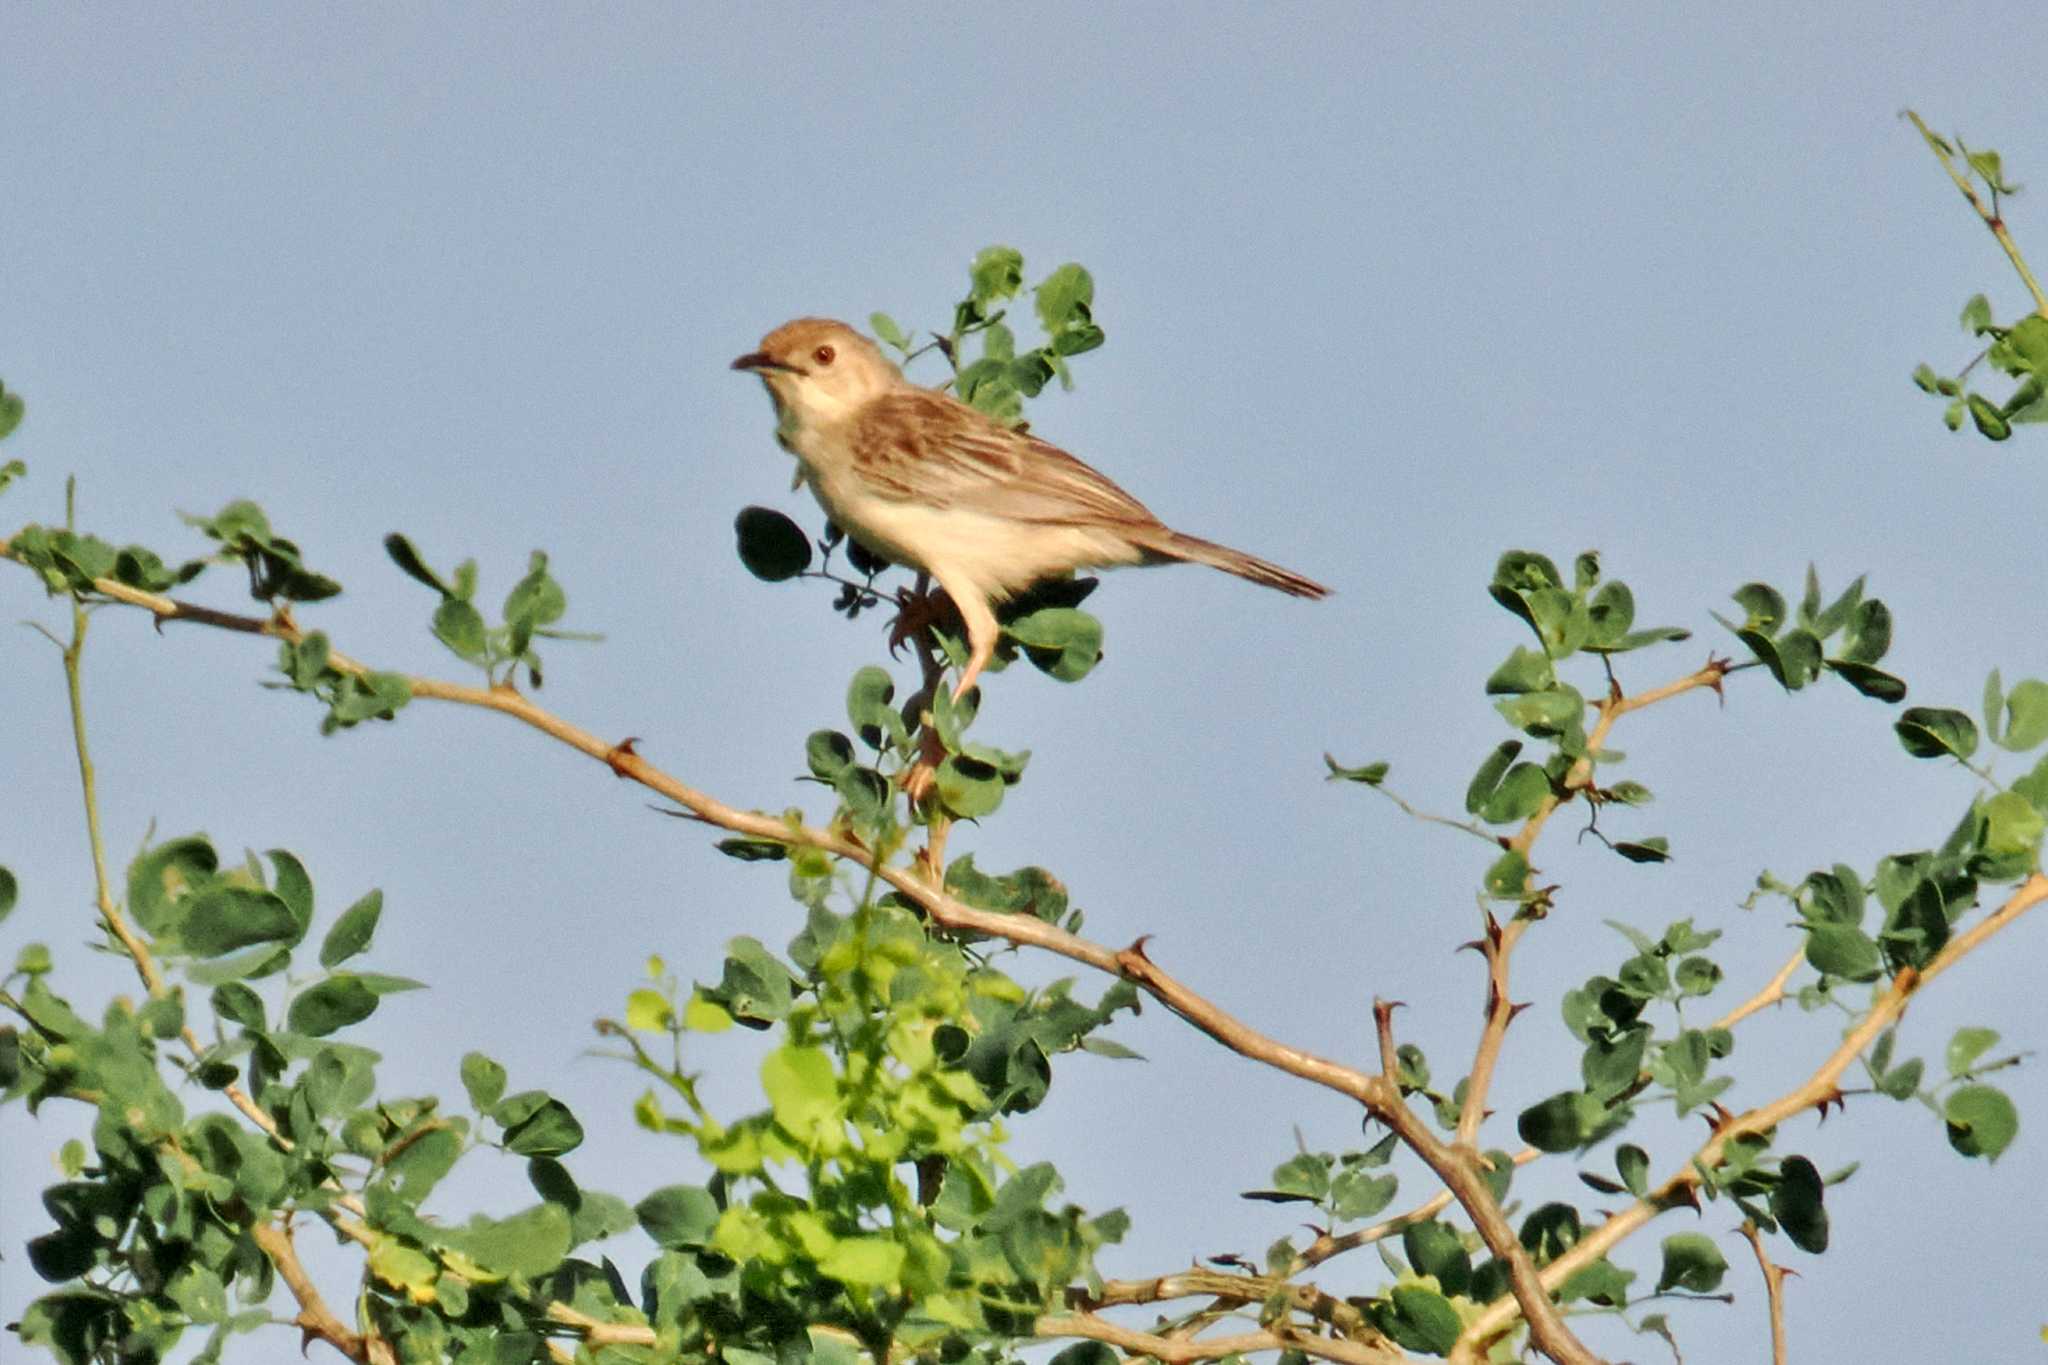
<point>917,612</point>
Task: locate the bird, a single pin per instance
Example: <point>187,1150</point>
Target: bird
<point>925,480</point>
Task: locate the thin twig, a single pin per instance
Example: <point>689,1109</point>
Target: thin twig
<point>1819,1088</point>
<point>1992,219</point>
<point>314,1318</point>
<point>1499,943</point>
<point>1774,1289</point>
<point>1377,1094</point>
<point>1771,994</point>
<point>1178,1351</point>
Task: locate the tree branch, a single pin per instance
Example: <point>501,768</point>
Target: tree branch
<point>1377,1094</point>
<point>1774,1289</point>
<point>1991,218</point>
<point>1821,1087</point>
<point>315,1319</point>
<point>1499,942</point>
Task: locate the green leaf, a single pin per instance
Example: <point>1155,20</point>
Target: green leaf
<point>352,931</point>
<point>1902,1082</point>
<point>2012,827</point>
<point>1526,670</point>
<point>1064,298</point>
<point>1634,1165</point>
<point>484,1080</point>
<point>11,412</point>
<point>888,332</point>
<point>1991,422</point>
<point>460,626</point>
<point>1486,781</point>
<point>678,1216</point>
<point>1507,876</point>
<point>1936,732</point>
<point>1796,1202</point>
<point>332,1004</point>
<point>1371,774</point>
<point>969,788</point>
<point>1843,950</point>
<point>2026,712</point>
<point>224,917</point>
<point>1558,1124</point>
<point>868,699</point>
<point>1602,1282</point>
<point>1520,794</point>
<point>1981,1121</point>
<point>828,754</point>
<point>803,1091</point>
<point>870,1261</point>
<point>1764,606</point>
<point>1421,1320</point>
<point>1358,1193</point>
<point>414,564</point>
<point>997,274</point>
<point>1652,850</point>
<point>772,546</point>
<point>1063,642</point>
<point>536,1124</point>
<point>159,876</point>
<point>1871,682</point>
<point>10,891</point>
<point>423,1162</point>
<point>1550,1231</point>
<point>1434,1248</point>
<point>238,1004</point>
<point>1691,1262</point>
<point>528,1244</point>
<point>753,850</point>
<point>1966,1046</point>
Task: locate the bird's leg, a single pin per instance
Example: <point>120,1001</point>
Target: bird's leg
<point>982,631</point>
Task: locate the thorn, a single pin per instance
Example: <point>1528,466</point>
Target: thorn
<point>1834,1097</point>
<point>1384,1009</point>
<point>1514,1010</point>
<point>615,757</point>
<point>1137,948</point>
<point>1689,1196</point>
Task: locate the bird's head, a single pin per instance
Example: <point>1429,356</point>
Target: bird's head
<point>818,370</point>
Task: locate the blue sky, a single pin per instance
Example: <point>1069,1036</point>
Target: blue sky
<point>1388,291</point>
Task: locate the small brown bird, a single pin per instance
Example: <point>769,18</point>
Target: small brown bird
<point>922,479</point>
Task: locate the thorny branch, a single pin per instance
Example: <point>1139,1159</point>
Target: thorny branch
<point>1453,1163</point>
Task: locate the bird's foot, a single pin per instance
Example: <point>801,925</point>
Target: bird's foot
<point>917,611</point>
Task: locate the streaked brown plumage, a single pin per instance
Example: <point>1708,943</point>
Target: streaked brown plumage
<point>923,479</point>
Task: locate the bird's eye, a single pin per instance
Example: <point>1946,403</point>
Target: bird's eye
<point>823,355</point>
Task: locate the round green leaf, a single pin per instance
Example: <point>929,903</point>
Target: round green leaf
<point>331,1004</point>
<point>1796,1204</point>
<point>773,547</point>
<point>1981,1121</point>
<point>1434,1248</point>
<point>1936,732</point>
<point>1692,1262</point>
<point>1842,950</point>
<point>678,1216</point>
<point>223,918</point>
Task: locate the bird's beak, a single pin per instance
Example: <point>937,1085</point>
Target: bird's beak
<point>761,360</point>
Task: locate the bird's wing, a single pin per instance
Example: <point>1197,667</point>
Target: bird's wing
<point>918,445</point>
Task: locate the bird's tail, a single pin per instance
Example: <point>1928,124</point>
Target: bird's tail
<point>1198,551</point>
